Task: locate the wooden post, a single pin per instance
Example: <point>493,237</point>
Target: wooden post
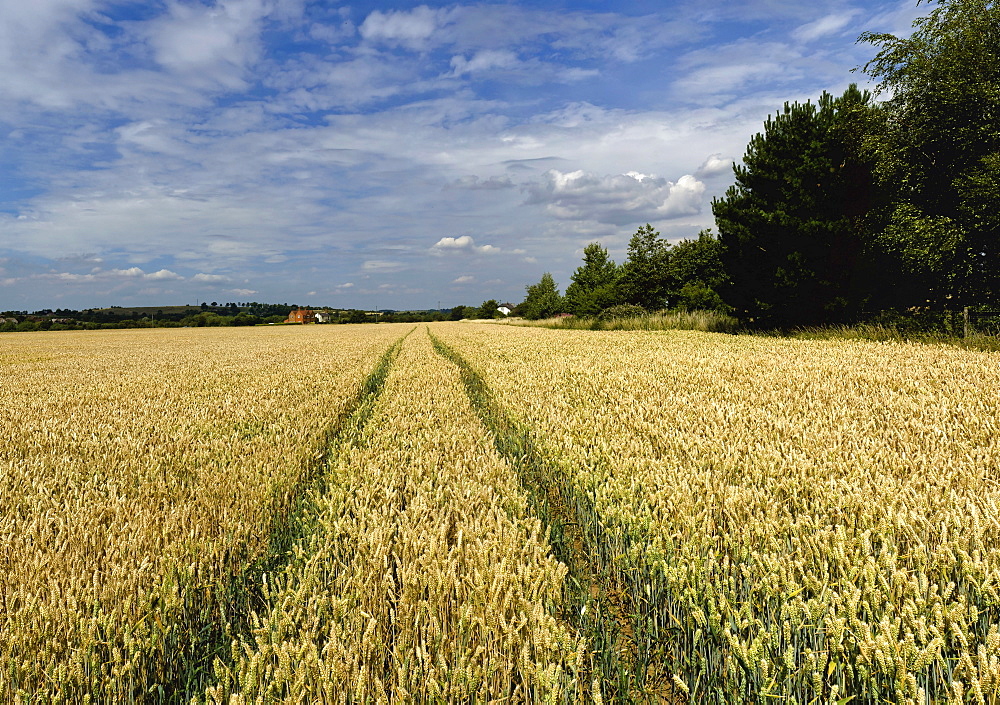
<point>965,322</point>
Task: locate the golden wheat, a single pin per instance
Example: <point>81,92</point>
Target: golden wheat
<point>424,579</point>
<point>808,519</point>
<point>787,519</point>
<point>140,473</point>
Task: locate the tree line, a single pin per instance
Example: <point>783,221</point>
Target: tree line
<point>843,207</point>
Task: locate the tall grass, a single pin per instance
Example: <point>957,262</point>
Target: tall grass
<point>705,321</point>
<point>889,333</point>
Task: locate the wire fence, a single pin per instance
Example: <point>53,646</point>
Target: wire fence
<point>980,322</point>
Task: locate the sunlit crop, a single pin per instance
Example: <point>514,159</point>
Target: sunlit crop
<point>141,473</point>
<point>792,519</point>
<point>471,512</point>
<point>423,578</point>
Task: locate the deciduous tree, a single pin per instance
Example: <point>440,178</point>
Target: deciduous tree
<point>594,283</point>
<point>695,273</point>
<point>543,299</point>
<point>644,278</point>
<point>942,148</point>
<point>489,309</point>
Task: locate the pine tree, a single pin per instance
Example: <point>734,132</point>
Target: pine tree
<point>793,227</point>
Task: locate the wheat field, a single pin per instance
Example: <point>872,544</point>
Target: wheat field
<point>478,513</point>
<point>798,520</point>
<point>140,472</point>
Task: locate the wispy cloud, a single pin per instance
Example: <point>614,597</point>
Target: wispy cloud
<point>269,146</point>
<point>824,26</point>
<point>382,266</point>
<point>209,278</point>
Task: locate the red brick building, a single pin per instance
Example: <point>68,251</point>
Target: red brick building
<point>301,315</point>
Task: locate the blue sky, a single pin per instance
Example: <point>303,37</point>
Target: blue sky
<point>379,154</point>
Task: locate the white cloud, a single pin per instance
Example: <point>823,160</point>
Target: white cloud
<point>130,272</point>
<point>41,50</point>
<point>483,61</point>
<point>243,292</point>
<point>214,42</point>
<point>96,274</point>
<point>464,279</point>
<point>714,165</point>
<point>71,277</point>
<point>463,243</point>
<point>411,28</point>
<point>720,74</point>
<point>209,278</point>
<point>345,285</point>
<point>620,200</point>
<point>164,274</point>
<point>824,26</point>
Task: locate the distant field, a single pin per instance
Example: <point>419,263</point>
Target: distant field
<point>471,512</point>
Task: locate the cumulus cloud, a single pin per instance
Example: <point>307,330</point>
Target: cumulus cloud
<point>464,279</point>
<point>97,274</point>
<point>136,272</point>
<point>618,200</point>
<point>463,243</point>
<point>71,277</point>
<point>209,278</point>
<point>714,165</point>
<point>243,292</point>
<point>411,29</point>
<point>164,275</point>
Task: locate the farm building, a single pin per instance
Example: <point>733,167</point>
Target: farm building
<point>301,315</point>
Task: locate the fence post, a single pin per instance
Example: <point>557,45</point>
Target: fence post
<point>965,322</point>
